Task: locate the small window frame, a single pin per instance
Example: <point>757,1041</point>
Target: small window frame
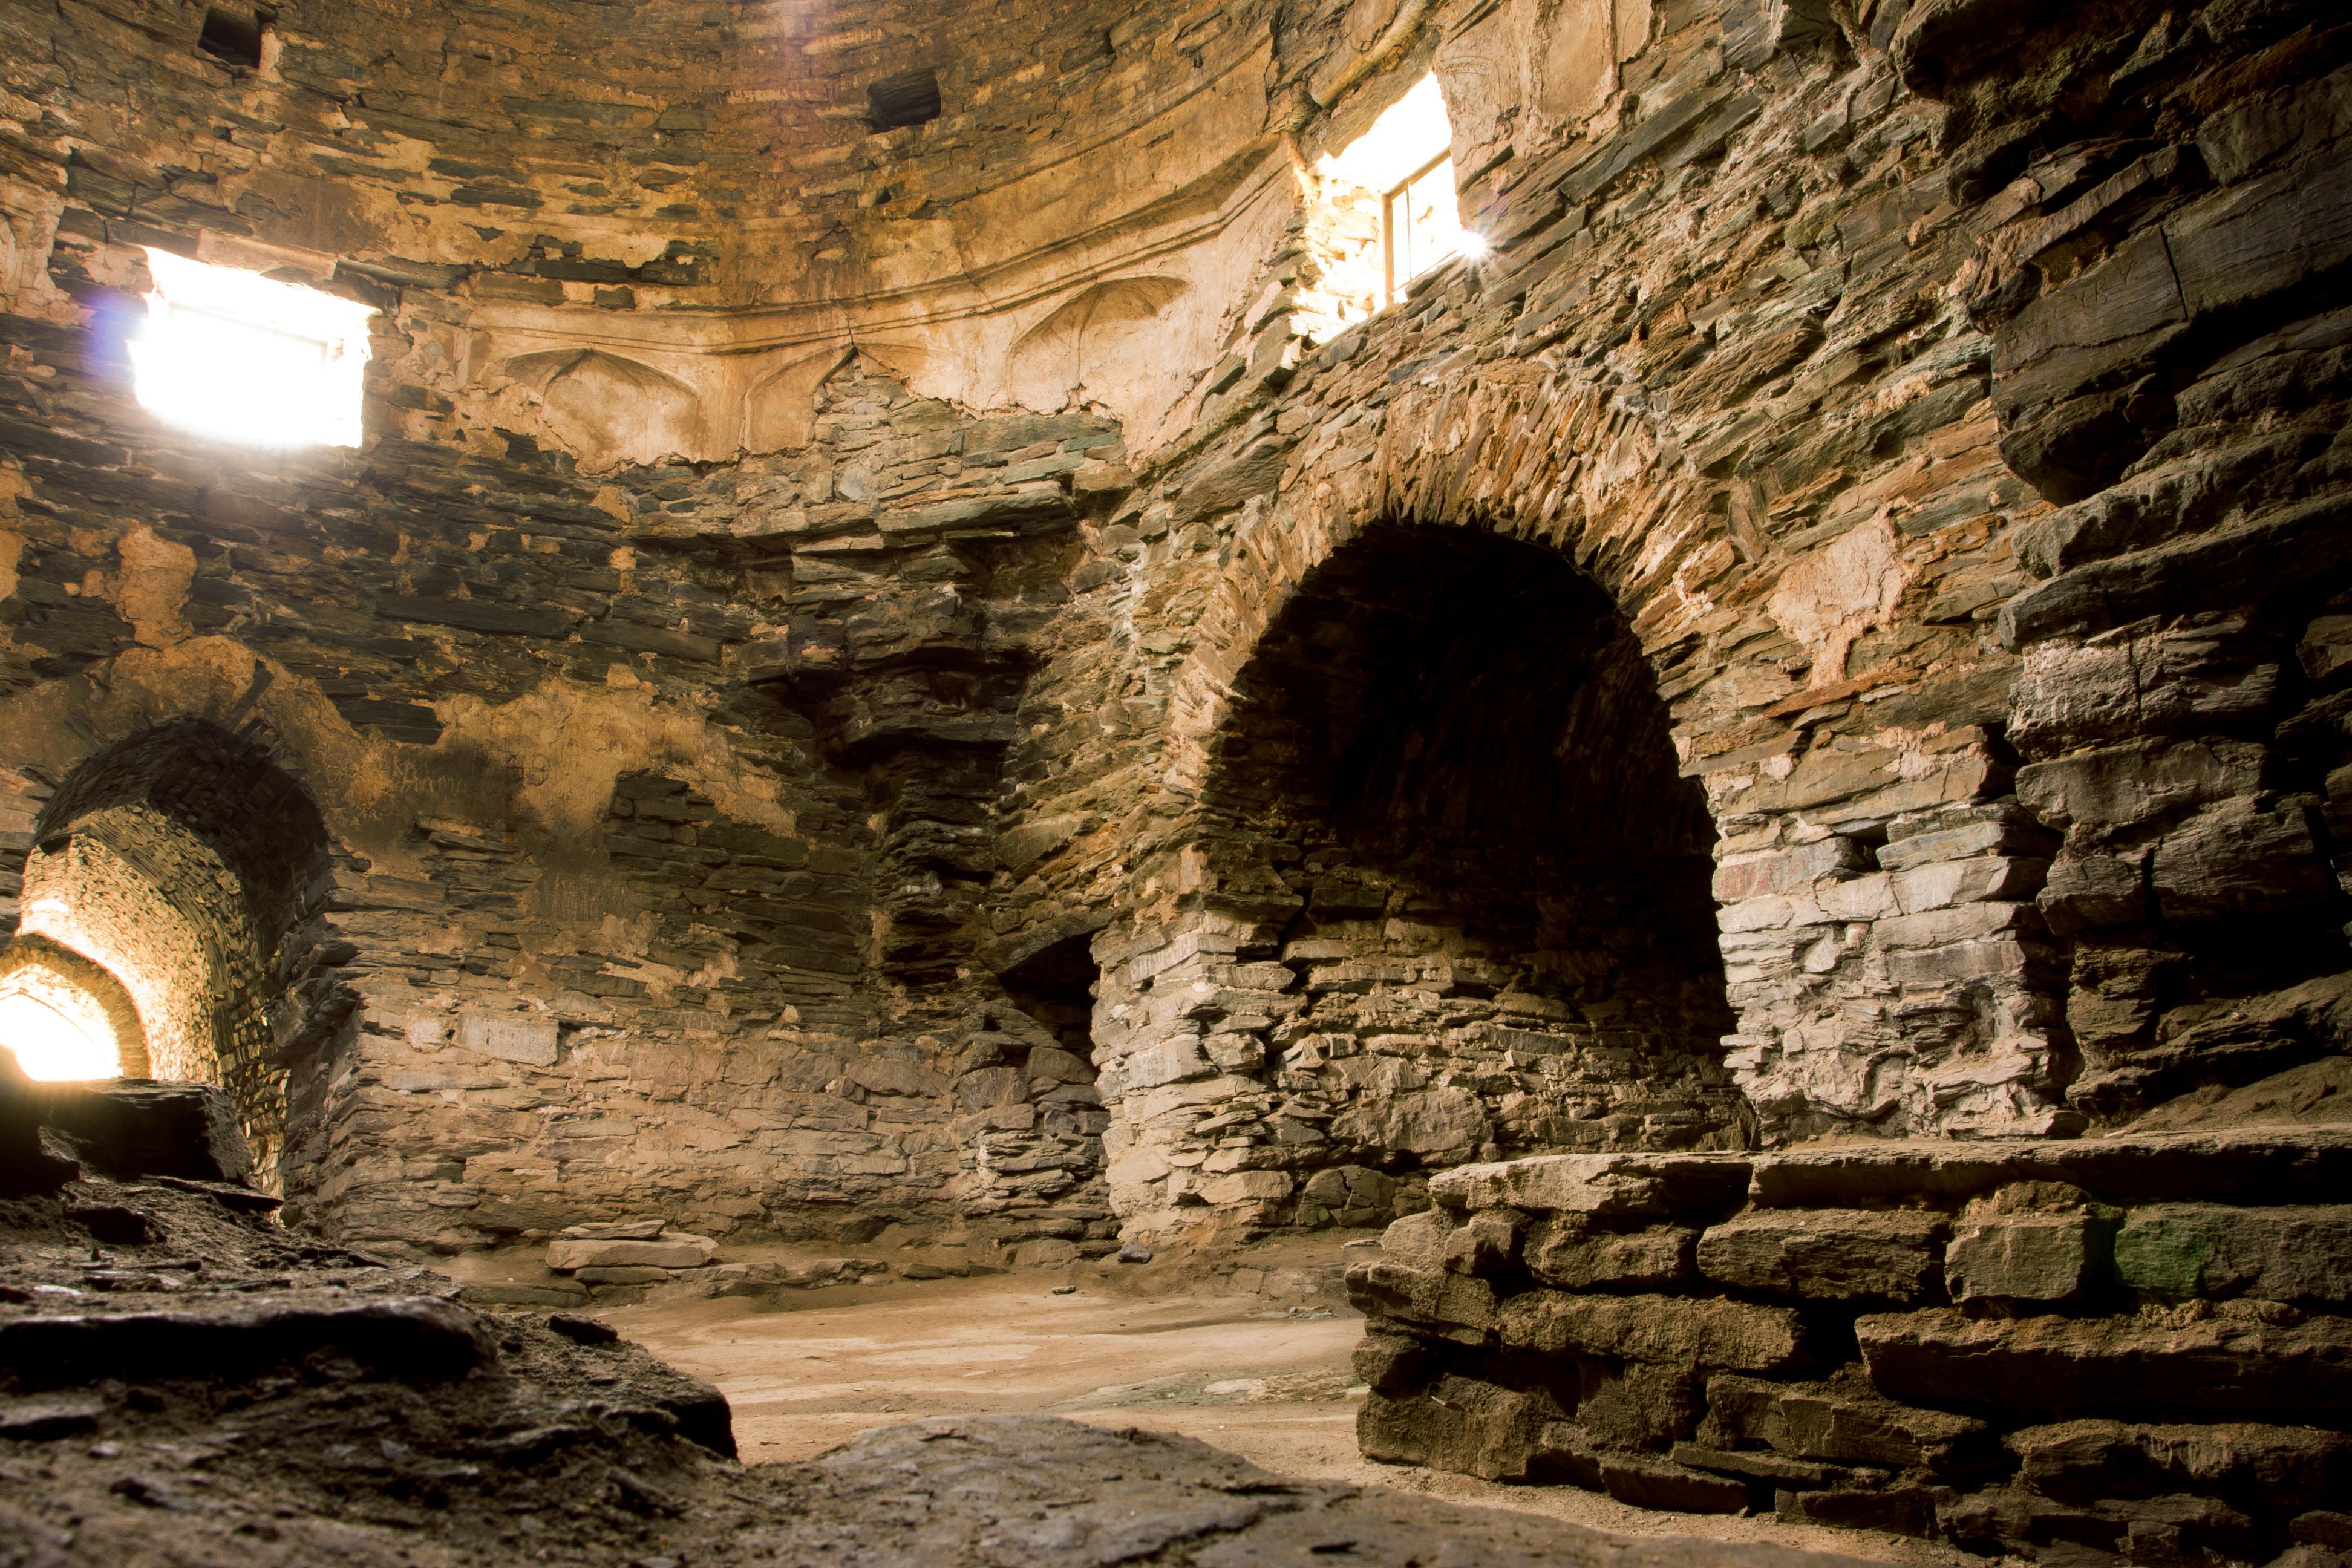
<point>1393,286</point>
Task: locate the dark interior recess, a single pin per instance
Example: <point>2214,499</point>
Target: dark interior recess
<point>910,98</point>
<point>234,37</point>
<point>1055,986</point>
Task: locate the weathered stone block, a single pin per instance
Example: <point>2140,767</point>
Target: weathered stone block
<point>1997,827</point>
<point>1777,1469</point>
<point>1847,1425</point>
<point>2237,859</point>
<point>2109,323</point>
<point>2206,1249</point>
<point>1788,870</point>
<point>1487,1243</point>
<point>1671,1330</point>
<point>2262,238</point>
<point>2255,1165</point>
<point>1604,1186</point>
<point>2125,686</point>
<point>1389,1364</point>
<point>991,1086</point>
<point>1898,1511</point>
<point>673,1249</point>
<point>2087,892</point>
<point>2121,785</point>
<point>2273,1466</point>
<point>1569,1252</point>
<point>1827,1254</point>
<point>2026,1257</point>
<point>1433,1296</point>
<point>616,1230</point>
<point>639,1274</point>
<point>2116,1365</point>
<point>1638,1404</point>
<point>547,1293</point>
<point>1244,1187</point>
<point>528,1040</point>
<point>2228,565</point>
<point>1646,1483</point>
<point>2254,131</point>
<point>1469,1428</point>
<point>1418,1240</point>
<point>1424,1121</point>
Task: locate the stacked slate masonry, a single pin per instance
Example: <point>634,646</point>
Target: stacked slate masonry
<point>743,1035</point>
<point>2132,1346</point>
<point>792,679</point>
<point>2012,835</point>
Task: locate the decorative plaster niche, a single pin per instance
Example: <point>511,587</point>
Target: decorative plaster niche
<point>1087,348</point>
<point>607,409</point>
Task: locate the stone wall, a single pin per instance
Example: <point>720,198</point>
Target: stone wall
<point>810,594</point>
<point>1777,351</point>
<point>656,852</point>
<point>2134,1345</point>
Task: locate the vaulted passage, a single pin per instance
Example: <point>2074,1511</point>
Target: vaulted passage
<point>1466,892</point>
<point>1437,695</point>
<point>1452,754</point>
<point>174,886</point>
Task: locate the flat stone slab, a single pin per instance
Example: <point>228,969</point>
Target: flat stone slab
<point>414,1337</point>
<point>1673,1331</point>
<point>672,1249</point>
<point>2111,1366</point>
<point>1834,1255</point>
<point>2258,1165</point>
<point>1607,1186</point>
<point>2207,1249</point>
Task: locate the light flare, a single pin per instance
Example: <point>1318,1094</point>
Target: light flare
<point>58,1032</point>
<point>243,358</point>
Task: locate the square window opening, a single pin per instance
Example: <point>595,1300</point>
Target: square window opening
<point>910,98</point>
<point>1382,212</point>
<point>242,358</point>
<point>1421,225</point>
<point>234,37</point>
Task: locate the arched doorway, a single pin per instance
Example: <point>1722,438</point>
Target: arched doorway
<point>1448,899</point>
<point>67,1019</point>
<point>182,871</point>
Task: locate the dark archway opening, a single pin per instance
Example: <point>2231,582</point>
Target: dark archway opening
<point>1055,986</point>
<point>188,867</point>
<point>1449,782</point>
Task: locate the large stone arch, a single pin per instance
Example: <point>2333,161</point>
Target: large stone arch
<point>1516,451</point>
<point>1517,460</point>
<point>1887,964</point>
<point>184,862</point>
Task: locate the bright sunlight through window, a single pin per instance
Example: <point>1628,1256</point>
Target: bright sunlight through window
<point>58,1032</point>
<point>243,358</point>
<point>1383,210</point>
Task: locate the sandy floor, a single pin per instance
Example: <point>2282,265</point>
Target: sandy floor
<point>1269,1383</point>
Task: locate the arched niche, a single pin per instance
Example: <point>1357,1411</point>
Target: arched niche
<point>607,409</point>
<point>1446,898</point>
<point>185,864</point>
<point>39,976</point>
<point>1083,344</point>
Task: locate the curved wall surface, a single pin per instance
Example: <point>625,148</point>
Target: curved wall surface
<point>777,636</point>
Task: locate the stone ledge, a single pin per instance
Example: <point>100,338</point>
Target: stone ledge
<point>1735,1330</point>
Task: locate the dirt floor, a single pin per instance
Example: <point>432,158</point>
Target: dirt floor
<point>1264,1381</point>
